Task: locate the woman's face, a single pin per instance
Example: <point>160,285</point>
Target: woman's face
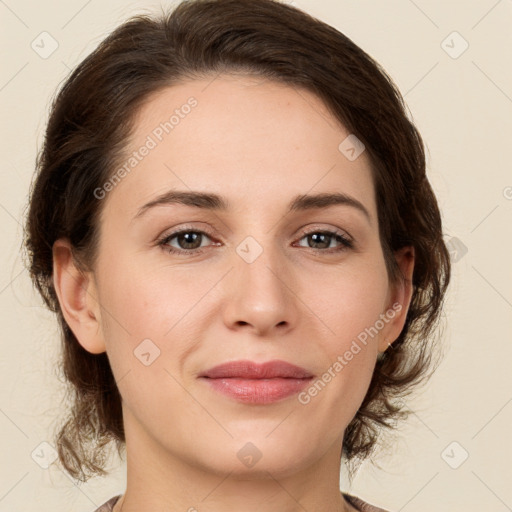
<point>254,281</point>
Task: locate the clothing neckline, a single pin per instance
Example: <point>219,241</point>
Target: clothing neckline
<point>355,501</point>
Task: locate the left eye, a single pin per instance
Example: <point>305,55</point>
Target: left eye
<point>323,237</point>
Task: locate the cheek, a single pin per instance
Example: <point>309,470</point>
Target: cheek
<point>350,305</point>
<point>146,301</point>
<point>152,319</point>
<point>348,300</point>
<point>143,324</point>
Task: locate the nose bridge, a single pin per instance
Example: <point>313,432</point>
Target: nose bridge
<point>260,263</point>
<point>259,292</point>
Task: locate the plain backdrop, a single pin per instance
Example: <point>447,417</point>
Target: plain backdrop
<point>452,60</point>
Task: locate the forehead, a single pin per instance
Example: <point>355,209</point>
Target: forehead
<point>255,141</point>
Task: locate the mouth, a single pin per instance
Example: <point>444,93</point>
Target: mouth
<point>254,383</point>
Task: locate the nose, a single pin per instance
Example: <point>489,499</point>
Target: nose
<point>259,295</point>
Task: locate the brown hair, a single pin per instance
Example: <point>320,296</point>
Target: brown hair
<point>90,123</point>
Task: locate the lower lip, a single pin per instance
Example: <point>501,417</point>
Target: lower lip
<point>258,391</point>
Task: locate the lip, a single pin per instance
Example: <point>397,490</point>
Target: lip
<point>257,383</point>
<point>246,369</point>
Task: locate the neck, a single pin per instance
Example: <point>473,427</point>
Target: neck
<point>159,480</point>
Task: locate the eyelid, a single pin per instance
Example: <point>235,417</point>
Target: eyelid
<point>318,228</point>
<point>185,227</point>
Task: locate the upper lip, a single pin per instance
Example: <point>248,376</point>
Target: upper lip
<point>251,370</point>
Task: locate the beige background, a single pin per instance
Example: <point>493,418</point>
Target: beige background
<point>463,108</point>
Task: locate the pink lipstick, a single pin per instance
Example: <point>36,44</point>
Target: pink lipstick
<point>255,383</point>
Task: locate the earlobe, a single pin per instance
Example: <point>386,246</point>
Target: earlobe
<point>77,298</point>
<point>399,299</point>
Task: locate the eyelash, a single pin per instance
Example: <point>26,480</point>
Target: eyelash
<point>346,243</point>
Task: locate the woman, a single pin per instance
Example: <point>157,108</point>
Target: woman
<point>232,222</point>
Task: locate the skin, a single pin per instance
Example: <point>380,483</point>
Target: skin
<point>258,144</point>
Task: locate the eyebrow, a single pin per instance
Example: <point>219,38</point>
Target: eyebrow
<point>215,202</point>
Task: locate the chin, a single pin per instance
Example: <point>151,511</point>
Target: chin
<point>257,456</point>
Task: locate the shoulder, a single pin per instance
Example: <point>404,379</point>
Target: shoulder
<point>361,505</point>
<point>109,505</point>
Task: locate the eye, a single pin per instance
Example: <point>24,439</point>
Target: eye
<point>323,239</point>
<point>188,240</point>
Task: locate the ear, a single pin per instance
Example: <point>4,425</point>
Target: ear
<point>399,298</point>
<point>77,296</point>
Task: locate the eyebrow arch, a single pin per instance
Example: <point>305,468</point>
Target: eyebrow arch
<point>209,201</point>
